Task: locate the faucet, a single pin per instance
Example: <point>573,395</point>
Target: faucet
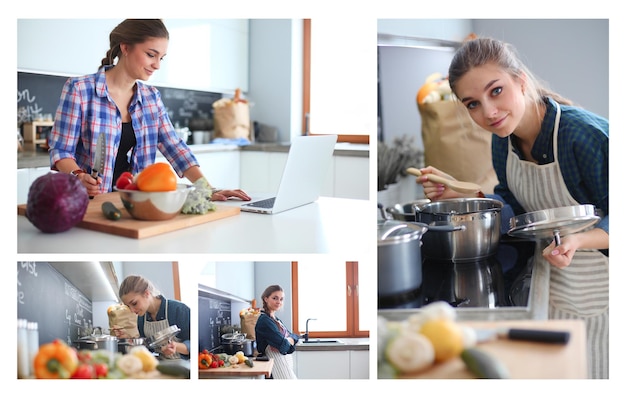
<point>306,333</point>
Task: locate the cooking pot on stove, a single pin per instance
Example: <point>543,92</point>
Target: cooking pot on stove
<point>399,256</point>
<point>125,345</point>
<point>481,219</point>
<point>404,211</point>
<point>234,342</point>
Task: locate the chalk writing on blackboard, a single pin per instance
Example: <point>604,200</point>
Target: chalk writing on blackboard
<point>30,268</point>
<point>27,107</point>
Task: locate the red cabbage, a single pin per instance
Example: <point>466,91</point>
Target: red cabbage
<point>56,202</point>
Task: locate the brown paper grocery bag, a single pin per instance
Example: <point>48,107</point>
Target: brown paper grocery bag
<point>231,119</point>
<point>453,143</point>
<point>120,316</point>
<point>248,323</point>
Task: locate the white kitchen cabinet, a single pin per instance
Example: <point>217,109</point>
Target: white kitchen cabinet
<point>359,364</point>
<point>221,168</point>
<point>25,178</point>
<point>348,176</point>
<point>351,177</point>
<point>323,364</point>
<point>261,171</point>
<point>203,54</point>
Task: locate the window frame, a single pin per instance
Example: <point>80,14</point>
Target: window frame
<point>306,91</point>
<point>352,305</point>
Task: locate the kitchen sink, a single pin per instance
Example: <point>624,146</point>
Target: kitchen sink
<point>322,341</point>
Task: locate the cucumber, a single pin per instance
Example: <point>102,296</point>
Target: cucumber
<point>249,363</point>
<point>110,211</point>
<point>173,367</point>
<point>484,365</point>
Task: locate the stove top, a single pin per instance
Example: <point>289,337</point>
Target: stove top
<point>502,280</point>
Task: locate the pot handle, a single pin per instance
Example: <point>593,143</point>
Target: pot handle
<point>445,227</point>
<point>383,212</point>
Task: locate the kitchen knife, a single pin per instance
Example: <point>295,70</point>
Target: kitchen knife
<point>533,335</point>
<point>98,164</point>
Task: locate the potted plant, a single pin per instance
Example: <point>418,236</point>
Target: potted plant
<point>394,159</point>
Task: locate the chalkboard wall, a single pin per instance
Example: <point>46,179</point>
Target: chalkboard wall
<point>213,313</point>
<point>48,298</point>
<point>39,94</point>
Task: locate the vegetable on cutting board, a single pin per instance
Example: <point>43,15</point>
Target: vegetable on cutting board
<point>110,211</point>
<point>483,364</point>
<point>55,360</point>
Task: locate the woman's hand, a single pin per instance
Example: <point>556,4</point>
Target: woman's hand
<point>561,256</point>
<point>435,191</point>
<point>291,340</point>
<point>169,349</point>
<point>226,194</point>
<point>92,185</point>
<point>119,332</point>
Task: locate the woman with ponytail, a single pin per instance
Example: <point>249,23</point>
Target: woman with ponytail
<point>116,102</point>
<point>273,338</point>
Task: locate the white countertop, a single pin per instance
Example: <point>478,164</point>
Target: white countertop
<point>330,225</point>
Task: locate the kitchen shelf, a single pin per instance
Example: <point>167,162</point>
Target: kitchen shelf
<point>32,129</point>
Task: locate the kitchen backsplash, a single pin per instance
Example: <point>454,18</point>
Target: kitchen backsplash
<point>38,95</point>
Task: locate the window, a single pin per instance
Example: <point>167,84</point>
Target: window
<point>335,295</point>
<point>340,93</point>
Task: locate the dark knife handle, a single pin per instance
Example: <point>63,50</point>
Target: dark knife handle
<point>94,175</point>
<point>541,336</point>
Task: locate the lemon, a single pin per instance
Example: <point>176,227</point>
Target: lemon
<point>446,337</point>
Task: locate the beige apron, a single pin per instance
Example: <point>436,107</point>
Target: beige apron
<point>283,364</point>
<point>150,328</point>
<point>581,290</point>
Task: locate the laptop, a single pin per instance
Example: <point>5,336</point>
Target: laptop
<point>303,176</point>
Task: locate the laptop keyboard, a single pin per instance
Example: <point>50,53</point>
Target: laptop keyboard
<point>265,203</point>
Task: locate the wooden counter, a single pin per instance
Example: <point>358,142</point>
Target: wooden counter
<point>261,369</point>
<point>526,360</point>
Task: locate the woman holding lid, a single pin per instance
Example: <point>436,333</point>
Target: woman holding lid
<point>547,153</point>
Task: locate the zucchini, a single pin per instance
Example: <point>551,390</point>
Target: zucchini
<point>110,211</point>
<point>483,364</point>
<point>175,367</point>
<point>249,363</point>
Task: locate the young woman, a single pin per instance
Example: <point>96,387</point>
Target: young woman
<point>273,338</point>
<point>115,102</point>
<point>547,153</point>
<point>156,313</point>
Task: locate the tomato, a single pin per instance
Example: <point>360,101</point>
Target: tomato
<point>156,177</point>
<point>132,187</point>
<point>214,364</point>
<point>83,371</point>
<point>101,370</point>
<point>123,180</point>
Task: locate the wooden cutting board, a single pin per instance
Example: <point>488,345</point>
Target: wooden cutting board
<point>261,368</point>
<point>138,229</point>
<point>525,360</point>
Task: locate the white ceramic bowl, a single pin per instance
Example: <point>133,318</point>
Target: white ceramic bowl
<point>155,206</point>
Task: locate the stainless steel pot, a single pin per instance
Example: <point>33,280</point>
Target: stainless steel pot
<point>399,257</point>
<point>481,218</point>
<point>125,345</point>
<point>233,342</point>
<point>405,211</point>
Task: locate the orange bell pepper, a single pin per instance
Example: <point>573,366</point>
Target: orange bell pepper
<point>205,359</point>
<point>156,177</point>
<point>55,360</point>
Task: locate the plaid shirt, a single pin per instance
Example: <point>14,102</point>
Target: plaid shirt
<point>583,150</point>
<point>86,110</point>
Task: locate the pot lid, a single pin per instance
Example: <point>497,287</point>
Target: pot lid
<point>393,231</point>
<point>163,336</point>
<point>545,224</point>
